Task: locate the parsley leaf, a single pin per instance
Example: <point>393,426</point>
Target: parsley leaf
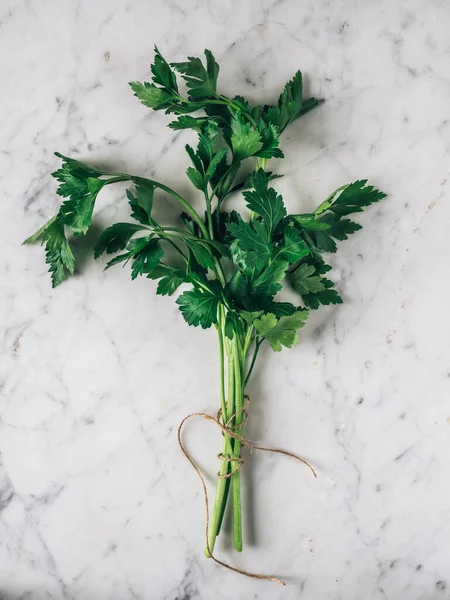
<point>282,309</point>
<point>200,252</point>
<point>152,96</point>
<point>283,331</point>
<point>170,279</point>
<point>245,141</point>
<point>115,238</point>
<point>38,234</point>
<point>269,139</point>
<point>199,307</point>
<point>81,185</point>
<point>188,122</point>
<point>141,204</point>
<point>355,197</point>
<point>265,201</point>
<point>314,289</point>
<point>268,282</point>
<point>290,105</point>
<point>339,228</point>
<point>304,280</point>
<point>71,171</point>
<point>163,74</point>
<point>58,254</point>
<point>76,212</point>
<point>309,222</point>
<point>199,176</point>
<point>294,247</point>
<point>327,221</point>
<point>201,81</point>
<point>254,239</point>
<point>350,199</point>
<point>246,183</point>
<point>146,253</point>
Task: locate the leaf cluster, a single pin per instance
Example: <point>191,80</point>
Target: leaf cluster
<point>229,262</point>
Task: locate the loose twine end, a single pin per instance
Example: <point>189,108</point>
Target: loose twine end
<point>228,429</point>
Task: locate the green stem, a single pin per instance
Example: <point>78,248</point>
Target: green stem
<point>252,364</point>
<point>168,240</point>
<point>117,177</point>
<point>208,216</point>
<point>238,108</point>
<point>223,483</point>
<point>236,478</point>
<point>224,101</point>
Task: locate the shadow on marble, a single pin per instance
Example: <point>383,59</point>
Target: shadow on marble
<point>83,249</point>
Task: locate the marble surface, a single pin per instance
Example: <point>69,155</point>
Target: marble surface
<point>96,499</point>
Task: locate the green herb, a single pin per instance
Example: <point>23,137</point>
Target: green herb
<point>234,266</point>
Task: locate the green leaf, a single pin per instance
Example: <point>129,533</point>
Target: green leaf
<point>190,224</point>
<point>79,183</point>
<point>328,296</point>
<point>170,279</point>
<point>247,183</point>
<point>196,178</point>
<point>314,289</point>
<point>237,288</point>
<point>340,229</point>
<point>264,201</point>
<point>151,96</point>
<point>201,253</point>
<point>163,74</point>
<point>146,258</point>
<point>304,280</point>
<point>178,106</point>
<point>310,222</point>
<point>187,122</point>
<point>239,256</point>
<point>223,178</point>
<point>283,331</point>
<point>115,238</point>
<point>324,242</point>
<point>215,161</point>
<point>269,139</point>
<point>118,259</point>
<point>199,307</point>
<point>71,170</point>
<point>268,282</point>
<point>290,105</point>
<point>254,239</point>
<point>245,141</point>
<point>58,254</point>
<point>250,316</point>
<point>355,197</point>
<point>76,212</point>
<point>36,236</point>
<point>206,162</point>
<point>206,142</point>
<point>201,81</point>
<point>142,203</point>
<point>282,309</point>
<point>195,159</point>
<point>294,247</point>
<point>220,220</point>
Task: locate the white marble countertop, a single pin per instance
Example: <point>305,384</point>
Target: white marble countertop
<point>96,499</point>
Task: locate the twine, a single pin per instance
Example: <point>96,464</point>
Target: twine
<point>228,429</point>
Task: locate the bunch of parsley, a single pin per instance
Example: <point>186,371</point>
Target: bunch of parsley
<point>234,267</point>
